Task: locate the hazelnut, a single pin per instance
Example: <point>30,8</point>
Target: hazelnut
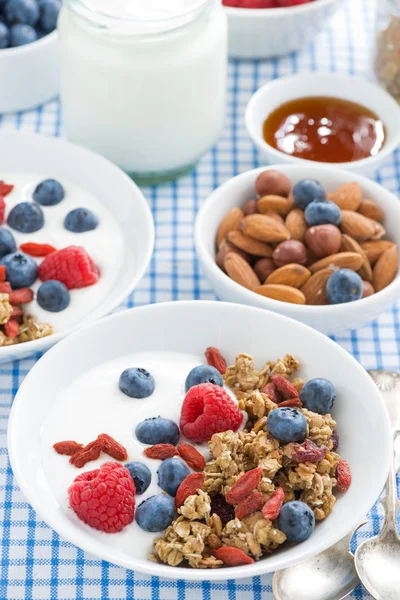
<point>273,182</point>
<point>367,289</point>
<point>263,268</point>
<point>323,240</point>
<point>250,207</point>
<point>290,251</point>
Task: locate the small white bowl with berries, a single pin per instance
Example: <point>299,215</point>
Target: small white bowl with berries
<point>76,235</point>
<point>261,29</point>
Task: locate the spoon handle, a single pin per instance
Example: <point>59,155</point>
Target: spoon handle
<point>391,501</point>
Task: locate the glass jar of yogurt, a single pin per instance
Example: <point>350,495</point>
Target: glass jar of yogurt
<point>143,81</point>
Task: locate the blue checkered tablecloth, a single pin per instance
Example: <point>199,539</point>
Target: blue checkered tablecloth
<point>35,562</point>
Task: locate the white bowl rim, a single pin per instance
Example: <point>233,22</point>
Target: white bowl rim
<point>279,10</point>
<point>331,309</point>
<point>393,127</point>
<point>146,566</point>
<point>34,346</point>
<point>27,48</point>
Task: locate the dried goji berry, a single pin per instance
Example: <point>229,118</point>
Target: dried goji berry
<point>308,452</point>
<point>249,505</point>
<point>2,273</point>
<point>5,287</point>
<point>243,486</point>
<point>188,487</point>
<point>5,188</point>
<point>69,447</point>
<point>191,456</point>
<point>232,557</point>
<point>11,328</point>
<point>284,387</point>
<point>16,312</point>
<point>215,359</point>
<point>272,393</point>
<point>293,402</point>
<point>335,440</point>
<point>112,447</point>
<point>21,296</point>
<point>90,452</point>
<point>34,249</point>
<point>2,209</point>
<point>273,505</point>
<point>161,451</point>
<point>343,475</point>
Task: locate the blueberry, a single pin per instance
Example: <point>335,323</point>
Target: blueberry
<point>322,213</point>
<point>26,217</point>
<point>24,12</point>
<point>307,190</point>
<point>53,296</point>
<point>80,220</point>
<point>21,269</point>
<point>7,242</point>
<point>171,474</point>
<point>136,383</point>
<point>297,521</point>
<point>49,10</point>
<point>4,36</point>
<point>287,425</point>
<point>48,192</point>
<point>21,35</point>
<point>318,395</point>
<point>157,431</point>
<point>344,285</point>
<point>156,513</point>
<point>203,374</point>
<point>141,476</point>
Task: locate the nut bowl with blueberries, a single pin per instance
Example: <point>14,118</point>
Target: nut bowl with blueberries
<point>314,244</point>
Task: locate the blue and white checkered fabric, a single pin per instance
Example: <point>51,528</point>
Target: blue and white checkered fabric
<point>35,562</point>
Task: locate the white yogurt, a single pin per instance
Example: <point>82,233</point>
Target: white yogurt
<point>143,83</point>
<point>104,244</point>
<point>93,404</point>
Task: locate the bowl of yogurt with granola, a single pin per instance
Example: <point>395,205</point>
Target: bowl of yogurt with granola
<point>192,436</point>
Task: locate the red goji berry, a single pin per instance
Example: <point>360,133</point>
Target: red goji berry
<point>215,359</point>
<point>343,475</point>
<point>11,328</point>
<point>5,287</point>
<point>308,452</point>
<point>273,505</point>
<point>2,273</point>
<point>69,447</point>
<point>34,249</point>
<point>161,451</point>
<point>21,296</point>
<point>90,452</point>
<point>112,447</point>
<point>243,486</point>
<point>188,487</point>
<point>272,393</point>
<point>16,312</point>
<point>191,456</point>
<point>5,188</point>
<point>284,387</point>
<point>293,402</point>
<point>2,209</point>
<point>249,505</point>
<point>232,557</point>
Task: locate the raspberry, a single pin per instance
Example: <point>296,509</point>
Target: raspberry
<point>2,209</point>
<point>191,456</point>
<point>5,188</point>
<point>34,249</point>
<point>208,409</point>
<point>220,507</point>
<point>2,273</point>
<point>104,498</point>
<point>72,266</point>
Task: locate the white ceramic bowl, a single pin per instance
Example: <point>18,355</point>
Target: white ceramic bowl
<point>190,327</point>
<point>29,74</point>
<point>331,319</point>
<point>24,152</point>
<point>356,89</point>
<point>268,32</point>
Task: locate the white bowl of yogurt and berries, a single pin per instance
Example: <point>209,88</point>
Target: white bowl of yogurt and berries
<point>76,235</point>
<point>200,440</point>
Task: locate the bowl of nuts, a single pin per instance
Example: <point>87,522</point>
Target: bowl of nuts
<point>315,244</point>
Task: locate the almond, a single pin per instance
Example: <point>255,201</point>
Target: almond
<point>371,209</point>
<point>315,288</point>
<point>348,196</point>
<point>284,293</point>
<point>374,248</point>
<point>240,271</point>
<point>224,249</point>
<point>230,222</point>
<point>379,232</point>
<point>350,245</point>
<point>279,204</point>
<point>385,269</point>
<point>357,226</point>
<point>249,245</point>
<point>342,260</point>
<point>263,228</point>
<point>293,275</point>
<point>274,215</point>
<point>296,224</point>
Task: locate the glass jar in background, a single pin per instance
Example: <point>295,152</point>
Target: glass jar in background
<point>387,50</point>
<point>143,82</point>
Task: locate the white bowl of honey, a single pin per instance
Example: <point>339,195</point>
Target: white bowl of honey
<point>326,119</point>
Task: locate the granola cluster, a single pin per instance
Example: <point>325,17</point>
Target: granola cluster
<point>28,330</point>
<point>195,535</point>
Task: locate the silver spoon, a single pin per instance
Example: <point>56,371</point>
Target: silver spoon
<point>331,575</point>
